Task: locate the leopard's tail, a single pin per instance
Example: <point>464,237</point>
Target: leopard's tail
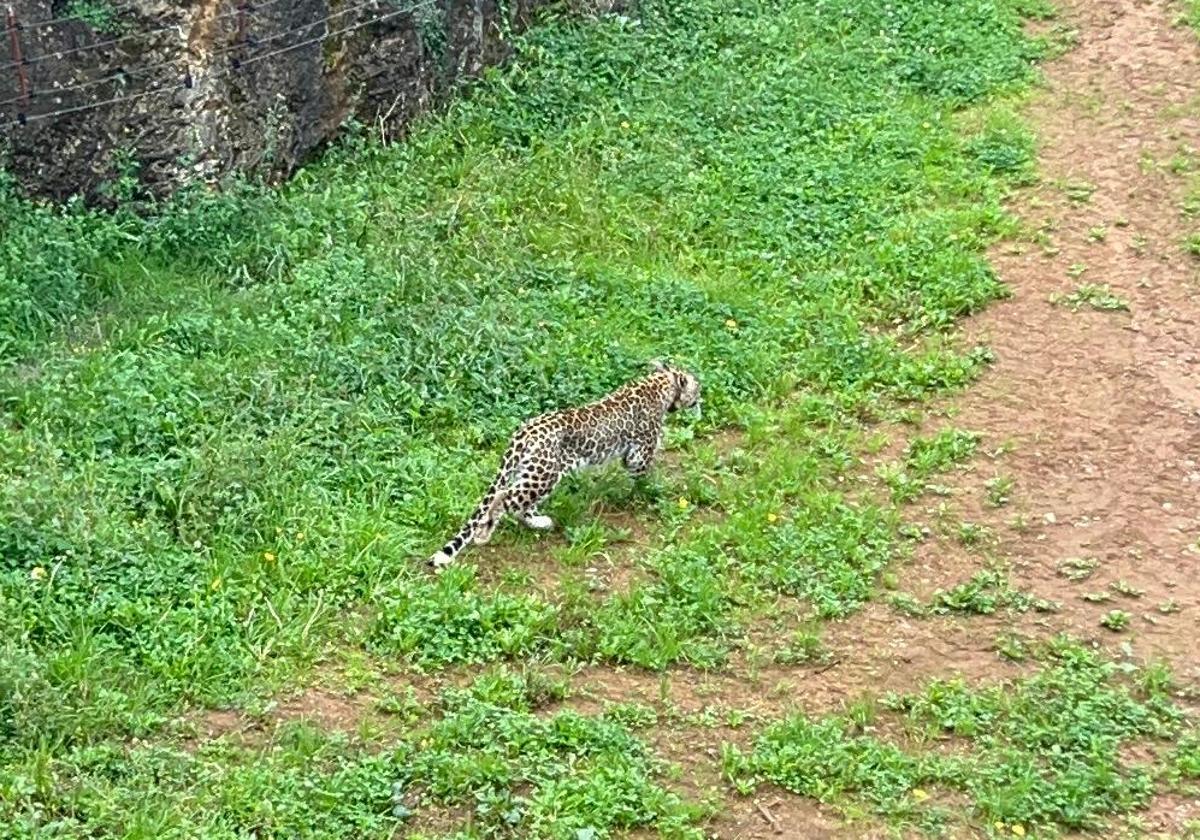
<point>478,528</point>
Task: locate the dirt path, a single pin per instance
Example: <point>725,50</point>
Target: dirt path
<point>1104,407</point>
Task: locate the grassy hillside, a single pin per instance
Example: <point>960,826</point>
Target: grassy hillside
<point>234,425</point>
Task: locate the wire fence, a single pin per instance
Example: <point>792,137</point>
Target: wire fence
<point>243,10</point>
<point>145,71</point>
<point>184,78</point>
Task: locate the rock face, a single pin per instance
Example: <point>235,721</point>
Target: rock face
<point>94,89</point>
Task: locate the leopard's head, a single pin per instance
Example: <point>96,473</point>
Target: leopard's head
<point>686,387</point>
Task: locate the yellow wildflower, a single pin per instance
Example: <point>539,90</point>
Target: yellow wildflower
<point>683,503</point>
<point>37,573</point>
<point>269,556</point>
<point>1018,830</point>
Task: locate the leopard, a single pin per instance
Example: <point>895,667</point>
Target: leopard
<point>627,424</point>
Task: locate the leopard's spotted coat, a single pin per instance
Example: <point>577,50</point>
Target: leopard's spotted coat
<point>626,424</point>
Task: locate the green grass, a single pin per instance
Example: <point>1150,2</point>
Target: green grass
<point>488,753</point>
<point>1185,168</point>
<point>1094,296</point>
<point>1191,9</point>
<point>925,458</point>
<point>100,15</point>
<point>234,424</point>
<point>983,594</point>
<point>1116,620</point>
<point>1044,752</point>
<point>999,490</point>
<point>1191,244</point>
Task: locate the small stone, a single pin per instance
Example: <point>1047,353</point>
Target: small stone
<point>1050,518</point>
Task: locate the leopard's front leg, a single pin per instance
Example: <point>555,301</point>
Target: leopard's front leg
<point>641,455</point>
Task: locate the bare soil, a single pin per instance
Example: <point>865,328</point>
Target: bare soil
<point>1103,408</point>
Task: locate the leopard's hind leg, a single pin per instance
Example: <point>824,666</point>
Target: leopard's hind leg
<point>535,519</point>
<point>526,493</point>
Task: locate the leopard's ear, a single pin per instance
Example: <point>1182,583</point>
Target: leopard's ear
<point>658,364</point>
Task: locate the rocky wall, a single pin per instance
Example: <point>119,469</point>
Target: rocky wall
<point>176,92</point>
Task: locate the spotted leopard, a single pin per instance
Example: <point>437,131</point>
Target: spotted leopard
<point>626,424</point>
